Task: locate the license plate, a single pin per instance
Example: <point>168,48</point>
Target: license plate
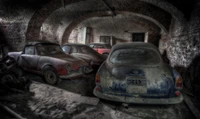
<point>136,85</point>
<point>136,81</point>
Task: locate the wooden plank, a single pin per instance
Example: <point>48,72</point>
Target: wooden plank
<point>12,112</point>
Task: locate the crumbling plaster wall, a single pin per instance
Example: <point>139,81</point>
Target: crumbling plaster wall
<point>75,12</point>
<point>119,27</point>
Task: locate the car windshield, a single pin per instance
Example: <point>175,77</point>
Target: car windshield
<point>136,56</point>
<point>49,49</point>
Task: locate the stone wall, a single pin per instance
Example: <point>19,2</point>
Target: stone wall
<point>183,41</point>
<point>14,18</point>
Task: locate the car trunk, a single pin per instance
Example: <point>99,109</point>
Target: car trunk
<point>139,81</point>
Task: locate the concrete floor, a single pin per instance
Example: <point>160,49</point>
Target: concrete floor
<point>73,99</point>
<point>104,109</point>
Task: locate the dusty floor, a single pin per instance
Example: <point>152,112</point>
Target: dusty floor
<point>73,99</point>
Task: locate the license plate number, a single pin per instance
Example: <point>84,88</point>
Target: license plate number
<point>137,82</point>
<point>136,85</point>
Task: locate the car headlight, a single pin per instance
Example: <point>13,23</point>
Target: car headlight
<point>68,67</point>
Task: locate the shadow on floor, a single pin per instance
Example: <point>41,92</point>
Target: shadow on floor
<point>81,85</point>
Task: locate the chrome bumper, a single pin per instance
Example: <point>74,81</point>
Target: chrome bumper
<point>138,100</point>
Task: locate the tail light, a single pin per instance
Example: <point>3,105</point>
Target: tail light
<point>178,93</point>
<point>97,79</point>
<point>98,88</point>
<point>179,82</point>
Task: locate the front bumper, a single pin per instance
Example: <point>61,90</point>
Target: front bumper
<point>138,100</point>
<point>83,70</point>
<point>71,75</point>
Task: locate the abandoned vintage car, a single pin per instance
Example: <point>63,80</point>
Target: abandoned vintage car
<point>85,53</point>
<point>48,59</point>
<point>136,73</point>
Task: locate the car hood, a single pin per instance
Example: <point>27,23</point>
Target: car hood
<point>68,58</point>
<point>88,57</point>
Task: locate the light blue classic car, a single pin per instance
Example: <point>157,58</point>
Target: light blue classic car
<point>136,73</point>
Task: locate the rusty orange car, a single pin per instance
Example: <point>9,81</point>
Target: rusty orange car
<point>48,59</point>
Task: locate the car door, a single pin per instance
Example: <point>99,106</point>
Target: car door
<point>28,59</point>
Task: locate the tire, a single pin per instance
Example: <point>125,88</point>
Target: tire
<point>50,76</point>
<point>8,78</point>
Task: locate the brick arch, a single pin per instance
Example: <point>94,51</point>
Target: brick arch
<point>70,27</point>
<point>146,9</point>
<point>176,14</point>
<point>36,21</point>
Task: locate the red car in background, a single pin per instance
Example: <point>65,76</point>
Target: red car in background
<point>101,48</point>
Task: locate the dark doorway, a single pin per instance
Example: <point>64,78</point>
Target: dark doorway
<point>138,37</point>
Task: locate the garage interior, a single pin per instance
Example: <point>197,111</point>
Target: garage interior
<point>171,25</point>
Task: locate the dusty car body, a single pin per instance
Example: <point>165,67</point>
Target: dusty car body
<point>48,59</point>
<point>101,48</point>
<point>85,53</point>
<point>136,73</point>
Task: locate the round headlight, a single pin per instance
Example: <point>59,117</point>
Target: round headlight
<point>68,67</point>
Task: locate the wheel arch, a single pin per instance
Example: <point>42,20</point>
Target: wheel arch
<point>48,66</point>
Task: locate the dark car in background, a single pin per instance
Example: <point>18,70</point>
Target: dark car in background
<point>101,48</point>
<point>85,53</point>
<point>48,59</point>
<point>136,73</point>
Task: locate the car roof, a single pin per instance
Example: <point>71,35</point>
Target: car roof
<point>100,43</point>
<point>74,44</point>
<point>135,45</point>
<point>40,42</point>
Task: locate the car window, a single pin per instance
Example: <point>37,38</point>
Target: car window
<point>136,56</point>
<point>49,49</point>
<point>30,50</point>
<point>66,48</point>
<point>91,45</point>
<point>98,46</point>
<point>74,49</point>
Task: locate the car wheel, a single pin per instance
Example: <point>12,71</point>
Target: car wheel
<point>50,76</point>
